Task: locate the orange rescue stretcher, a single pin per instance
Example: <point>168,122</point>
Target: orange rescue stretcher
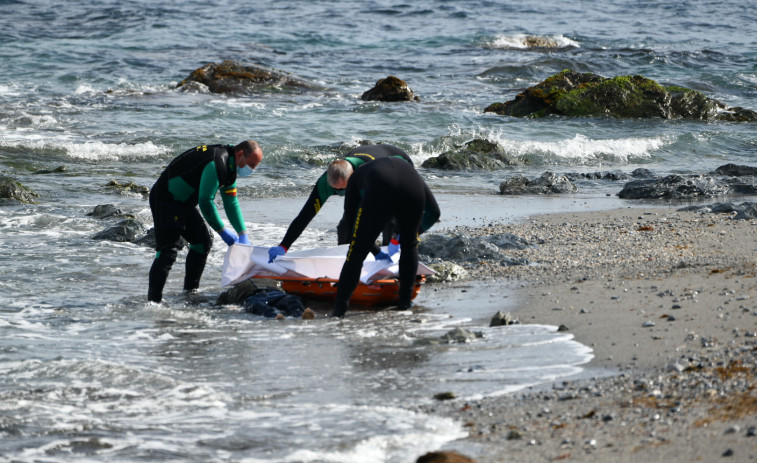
<point>378,292</point>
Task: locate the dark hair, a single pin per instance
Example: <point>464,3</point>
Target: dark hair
<point>248,147</point>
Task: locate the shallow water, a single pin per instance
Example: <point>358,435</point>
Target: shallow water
<point>90,371</point>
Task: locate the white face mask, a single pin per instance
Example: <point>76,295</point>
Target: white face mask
<point>245,171</point>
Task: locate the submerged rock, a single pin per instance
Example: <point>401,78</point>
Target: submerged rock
<point>11,188</point>
<point>57,170</point>
<point>128,187</point>
<point>476,154</point>
<point>575,94</point>
<point>455,336</point>
<point>236,78</point>
<point>390,89</point>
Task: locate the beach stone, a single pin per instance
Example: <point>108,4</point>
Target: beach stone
<point>478,154</point>
<point>466,250</point>
<point>11,188</point>
<point>444,457</point>
<point>445,396</point>
<point>125,231</point>
<point>390,89</point>
<point>446,272</point>
<point>575,94</point>
<point>232,77</point>
<point>503,319</point>
<point>549,182</point>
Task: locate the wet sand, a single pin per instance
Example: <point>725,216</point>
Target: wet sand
<point>668,302</point>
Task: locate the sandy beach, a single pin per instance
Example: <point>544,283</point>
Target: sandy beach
<point>668,301</point>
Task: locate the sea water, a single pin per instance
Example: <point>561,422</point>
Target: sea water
<point>92,372</point>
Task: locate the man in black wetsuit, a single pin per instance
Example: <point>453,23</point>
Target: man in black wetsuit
<point>192,179</point>
<point>375,193</point>
<point>322,190</point>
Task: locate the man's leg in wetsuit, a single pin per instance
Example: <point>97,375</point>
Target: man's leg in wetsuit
<point>200,240</point>
<point>409,213</point>
<point>167,246</point>
<point>371,218</point>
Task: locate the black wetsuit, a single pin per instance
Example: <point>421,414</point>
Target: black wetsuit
<point>322,191</point>
<point>191,179</point>
<point>376,192</point>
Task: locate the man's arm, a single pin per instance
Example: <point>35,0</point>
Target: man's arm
<point>321,192</point>
<point>207,192</point>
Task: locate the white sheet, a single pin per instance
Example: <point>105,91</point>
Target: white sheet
<point>242,262</point>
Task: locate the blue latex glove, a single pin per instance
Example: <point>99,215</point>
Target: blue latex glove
<point>394,246</point>
<point>229,236</point>
<point>275,252</point>
<point>383,255</point>
<point>244,239</point>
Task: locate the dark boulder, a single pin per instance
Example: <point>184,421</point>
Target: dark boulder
<point>549,182</point>
<point>734,170</point>
<point>106,211</point>
<point>444,457</point>
<point>236,78</point>
<point>575,94</point>
<point>466,250</point>
<point>476,154</point>
<point>674,187</point>
<point>124,231</point>
<point>390,89</point>
<point>11,188</point>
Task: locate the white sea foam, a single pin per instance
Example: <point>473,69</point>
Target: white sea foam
<point>522,41</point>
<point>91,151</point>
<point>582,148</point>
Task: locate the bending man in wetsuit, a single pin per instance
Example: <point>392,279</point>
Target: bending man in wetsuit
<point>192,179</point>
<point>376,192</point>
<point>322,190</point>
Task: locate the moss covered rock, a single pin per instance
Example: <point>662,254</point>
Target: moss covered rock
<point>12,189</point>
<point>575,94</point>
<point>236,78</point>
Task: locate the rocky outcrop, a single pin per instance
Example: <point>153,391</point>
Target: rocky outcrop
<point>126,230</point>
<point>466,250</point>
<point>575,94</point>
<point>235,78</point>
<point>549,182</point>
<point>12,189</point>
<point>680,187</point>
<point>744,211</point>
<point>390,89</point>
<point>476,154</point>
